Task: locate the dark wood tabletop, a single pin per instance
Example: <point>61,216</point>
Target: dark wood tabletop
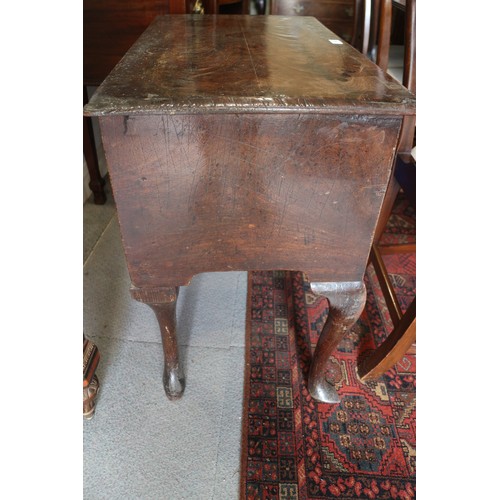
<point>252,63</point>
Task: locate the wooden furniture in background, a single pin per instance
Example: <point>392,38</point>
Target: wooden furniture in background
<point>364,23</point>
<point>403,336</point>
<point>96,182</point>
<point>336,15</point>
<point>232,7</point>
<point>110,27</point>
<point>251,143</point>
<point>367,24</point>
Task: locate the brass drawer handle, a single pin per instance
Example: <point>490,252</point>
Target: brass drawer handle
<point>298,8</point>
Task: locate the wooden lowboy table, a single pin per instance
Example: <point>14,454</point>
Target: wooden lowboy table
<point>248,143</point>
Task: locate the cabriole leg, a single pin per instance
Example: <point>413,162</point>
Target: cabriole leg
<point>163,301</point>
<point>346,302</point>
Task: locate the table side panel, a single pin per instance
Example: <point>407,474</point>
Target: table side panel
<point>206,193</point>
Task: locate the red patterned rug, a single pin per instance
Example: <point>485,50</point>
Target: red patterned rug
<point>295,448</point>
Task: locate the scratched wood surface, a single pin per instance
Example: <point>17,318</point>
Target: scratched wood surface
<point>199,64</point>
<point>247,142</point>
<point>229,192</point>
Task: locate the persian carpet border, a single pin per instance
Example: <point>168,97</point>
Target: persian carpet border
<point>246,389</point>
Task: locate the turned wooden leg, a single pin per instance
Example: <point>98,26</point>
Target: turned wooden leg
<point>163,301</point>
<point>96,183</point>
<point>347,300</point>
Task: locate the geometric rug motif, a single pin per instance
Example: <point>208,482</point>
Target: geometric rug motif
<point>296,448</point>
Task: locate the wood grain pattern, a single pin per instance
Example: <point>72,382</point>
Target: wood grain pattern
<point>227,192</point>
<point>209,64</point>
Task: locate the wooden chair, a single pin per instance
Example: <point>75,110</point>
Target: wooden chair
<point>403,335</point>
<point>337,15</point>
<point>97,182</point>
<point>365,23</point>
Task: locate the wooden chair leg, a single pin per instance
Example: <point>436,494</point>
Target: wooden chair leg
<point>393,348</point>
<point>387,290</point>
<point>384,34</point>
<point>96,183</point>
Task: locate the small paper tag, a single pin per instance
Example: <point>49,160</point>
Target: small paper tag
<point>335,42</point>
